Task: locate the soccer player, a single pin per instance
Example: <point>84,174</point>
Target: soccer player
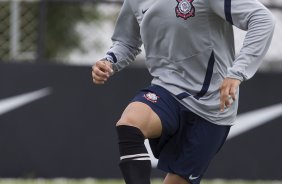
<point>188,109</point>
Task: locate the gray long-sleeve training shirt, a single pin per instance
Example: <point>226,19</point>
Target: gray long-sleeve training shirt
<point>189,47</point>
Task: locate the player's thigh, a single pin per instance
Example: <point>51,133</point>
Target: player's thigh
<point>140,115</point>
<point>173,179</point>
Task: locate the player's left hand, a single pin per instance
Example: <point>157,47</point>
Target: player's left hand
<point>228,90</point>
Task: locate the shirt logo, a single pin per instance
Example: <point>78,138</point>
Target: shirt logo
<point>185,9</point>
<point>152,97</point>
<point>144,11</point>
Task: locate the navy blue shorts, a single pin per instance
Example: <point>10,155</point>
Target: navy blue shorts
<point>188,142</point>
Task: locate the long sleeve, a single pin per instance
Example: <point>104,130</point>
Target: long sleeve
<point>252,16</point>
<point>126,39</point>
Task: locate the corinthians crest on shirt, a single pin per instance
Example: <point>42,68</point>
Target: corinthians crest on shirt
<point>152,97</point>
<point>185,9</point>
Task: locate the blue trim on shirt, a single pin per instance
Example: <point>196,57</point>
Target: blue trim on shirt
<point>227,11</point>
<point>182,95</point>
<point>113,56</point>
<point>208,78</point>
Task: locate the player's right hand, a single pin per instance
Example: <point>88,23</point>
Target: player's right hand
<point>101,71</point>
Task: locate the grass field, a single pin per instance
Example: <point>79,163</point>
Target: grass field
<point>94,181</point>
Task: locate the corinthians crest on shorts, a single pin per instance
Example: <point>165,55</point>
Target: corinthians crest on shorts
<point>152,97</point>
<point>185,9</point>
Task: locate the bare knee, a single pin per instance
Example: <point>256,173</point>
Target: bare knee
<point>141,116</point>
<point>130,117</point>
<point>129,121</point>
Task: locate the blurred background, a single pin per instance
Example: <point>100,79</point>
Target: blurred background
<point>55,123</point>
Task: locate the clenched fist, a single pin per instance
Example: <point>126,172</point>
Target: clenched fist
<point>228,90</point>
<point>101,71</point>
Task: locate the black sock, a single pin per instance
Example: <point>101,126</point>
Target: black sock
<point>135,162</point>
